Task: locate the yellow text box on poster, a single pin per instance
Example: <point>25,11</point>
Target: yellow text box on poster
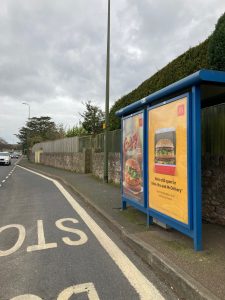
<point>168,182</point>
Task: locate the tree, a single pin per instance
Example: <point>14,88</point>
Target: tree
<point>93,118</point>
<point>3,144</point>
<point>61,131</point>
<point>38,130</point>
<point>76,131</point>
<point>2,141</point>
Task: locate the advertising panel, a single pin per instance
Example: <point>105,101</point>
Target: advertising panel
<point>167,153</point>
<point>133,158</point>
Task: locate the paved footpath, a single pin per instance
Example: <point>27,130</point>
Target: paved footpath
<point>53,248</point>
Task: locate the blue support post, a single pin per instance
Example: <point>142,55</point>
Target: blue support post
<point>145,167</point>
<point>149,220</point>
<point>145,158</point>
<point>196,168</point>
<point>124,205</point>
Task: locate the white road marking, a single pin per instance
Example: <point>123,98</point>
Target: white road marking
<point>26,297</point>
<point>21,237</point>
<point>140,283</point>
<point>42,245</point>
<point>83,237</point>
<point>66,294</point>
<point>41,240</point>
<point>87,288</point>
<point>3,181</point>
<point>7,177</point>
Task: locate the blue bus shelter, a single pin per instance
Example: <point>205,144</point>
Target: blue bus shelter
<point>161,151</point>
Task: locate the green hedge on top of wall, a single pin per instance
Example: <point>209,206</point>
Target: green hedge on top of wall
<point>216,49</point>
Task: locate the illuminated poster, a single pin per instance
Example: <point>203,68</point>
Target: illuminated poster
<point>133,157</point>
<point>168,183</point>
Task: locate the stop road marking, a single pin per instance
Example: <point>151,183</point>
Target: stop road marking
<point>20,239</point>
<point>87,288</point>
<point>42,245</point>
<point>83,238</point>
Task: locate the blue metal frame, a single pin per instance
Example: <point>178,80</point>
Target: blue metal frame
<point>125,199</point>
<point>196,171</point>
<point>194,227</point>
<point>192,82</point>
<point>186,228</point>
<point>149,217</point>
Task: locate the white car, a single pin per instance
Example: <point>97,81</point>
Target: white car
<point>5,158</point>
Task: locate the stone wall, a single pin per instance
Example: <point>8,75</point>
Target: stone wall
<point>77,162</point>
<point>31,156</point>
<point>213,189</point>
<point>113,166</point>
<point>98,164</point>
<point>213,183</point>
<point>213,176</point>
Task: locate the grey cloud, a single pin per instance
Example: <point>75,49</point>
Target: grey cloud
<point>53,53</point>
<point>160,31</point>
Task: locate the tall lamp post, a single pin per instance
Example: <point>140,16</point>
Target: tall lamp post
<point>25,103</point>
<point>107,99</point>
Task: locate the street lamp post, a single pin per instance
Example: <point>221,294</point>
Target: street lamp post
<point>107,99</point>
<point>25,103</point>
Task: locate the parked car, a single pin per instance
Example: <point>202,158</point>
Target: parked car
<point>5,158</point>
<point>14,155</point>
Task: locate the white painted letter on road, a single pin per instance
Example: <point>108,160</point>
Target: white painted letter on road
<point>42,245</point>
<point>26,297</point>
<point>19,242</point>
<point>87,288</point>
<point>83,237</point>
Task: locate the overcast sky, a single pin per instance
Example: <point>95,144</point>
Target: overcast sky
<point>53,52</point>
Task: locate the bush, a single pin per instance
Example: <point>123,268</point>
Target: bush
<point>216,49</point>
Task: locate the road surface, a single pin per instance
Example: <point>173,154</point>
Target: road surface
<point>6,171</point>
<point>53,247</point>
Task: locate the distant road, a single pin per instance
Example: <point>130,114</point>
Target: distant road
<point>6,171</point>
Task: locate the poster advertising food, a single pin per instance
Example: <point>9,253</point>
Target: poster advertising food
<point>133,157</point>
<point>167,152</point>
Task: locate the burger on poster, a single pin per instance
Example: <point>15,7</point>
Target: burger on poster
<point>132,175</point>
<point>131,143</point>
<point>164,152</point>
